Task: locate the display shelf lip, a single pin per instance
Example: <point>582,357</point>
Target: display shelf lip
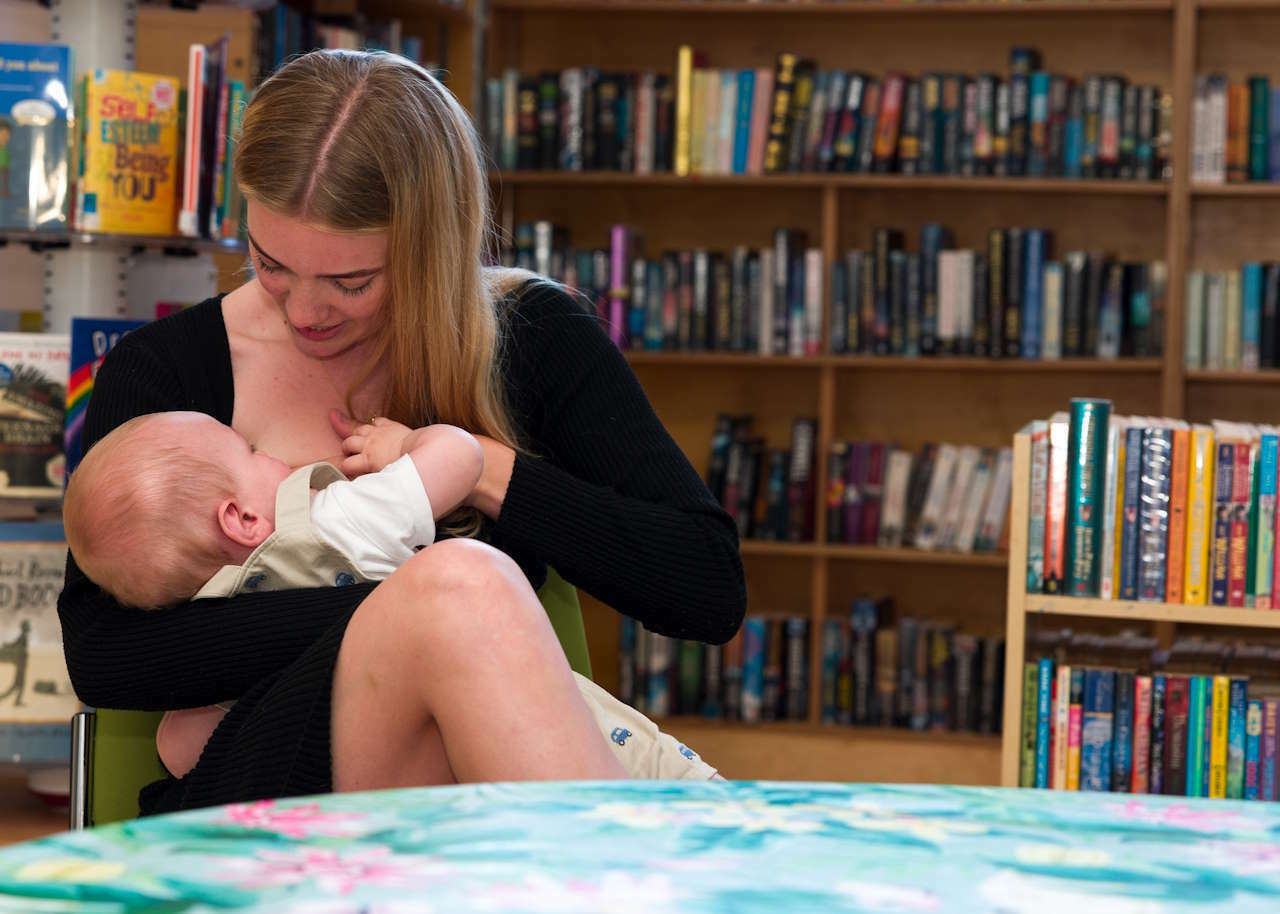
<point>985,363</point>
<point>837,8</point>
<point>103,239</point>
<point>1232,376</point>
<point>1042,604</point>
<point>849,731</point>
<point>1238,188</point>
<point>886,554</point>
<point>824,180</point>
<point>1238,5</point>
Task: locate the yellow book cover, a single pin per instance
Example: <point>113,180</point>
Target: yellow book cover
<point>1218,744</point>
<point>128,154</point>
<point>1199,495</point>
<point>684,101</point>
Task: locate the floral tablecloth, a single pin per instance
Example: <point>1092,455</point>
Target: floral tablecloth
<point>653,846</point>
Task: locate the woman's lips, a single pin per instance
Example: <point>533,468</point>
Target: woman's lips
<point>318,333</point>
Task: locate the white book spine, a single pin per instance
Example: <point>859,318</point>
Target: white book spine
<point>935,502</point>
<point>966,464</point>
<point>1115,429</point>
<point>1038,505</point>
<point>1215,318</point>
<point>1061,725</point>
<point>711,122</point>
<point>645,123</point>
<point>1051,316</point>
<point>728,116</point>
<point>1193,344</point>
<point>975,503</point>
<point>964,299</point>
<point>813,277</point>
<point>947,289</point>
<point>996,512</point>
<point>1233,305</point>
<point>1200,130</point>
<point>895,499</point>
<point>1218,130</point>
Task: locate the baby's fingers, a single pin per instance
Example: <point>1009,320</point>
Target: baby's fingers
<point>356,465</point>
<point>354,444</point>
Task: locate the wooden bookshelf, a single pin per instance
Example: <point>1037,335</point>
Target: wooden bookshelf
<point>1125,610</point>
<point>830,7</point>
<point>1214,376</point>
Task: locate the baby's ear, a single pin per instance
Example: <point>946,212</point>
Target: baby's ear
<point>242,525</point>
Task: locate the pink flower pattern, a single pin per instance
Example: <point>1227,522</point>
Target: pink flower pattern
<point>298,822</point>
<point>1182,815</point>
<point>333,872</point>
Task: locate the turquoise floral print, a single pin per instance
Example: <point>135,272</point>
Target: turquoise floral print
<point>643,847</point>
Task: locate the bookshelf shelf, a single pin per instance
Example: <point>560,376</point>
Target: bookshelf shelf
<point>172,243</point>
<point>834,731</point>
<point>723,360</point>
<point>1213,376</point>
<point>1003,366</point>
<point>835,7</point>
<point>1242,189</point>
<point>885,554</point>
<point>822,181</point>
<point>1037,604</point>
<point>1214,5</point>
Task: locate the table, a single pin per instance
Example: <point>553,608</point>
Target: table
<point>667,846</point>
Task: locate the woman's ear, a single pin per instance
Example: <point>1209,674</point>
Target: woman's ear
<point>242,525</point>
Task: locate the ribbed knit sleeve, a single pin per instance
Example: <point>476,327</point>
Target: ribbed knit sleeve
<point>198,653</point>
<point>610,501</point>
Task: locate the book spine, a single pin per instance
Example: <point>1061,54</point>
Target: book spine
<point>1238,550</point>
<point>1141,779</point>
<point>1196,712</point>
<point>1015,253</point>
<point>1075,719</point>
<point>1087,455</point>
<point>1223,472</point>
<point>1176,729</point>
<point>753,660</point>
<point>1267,787</point>
<point>1096,730</point>
<point>1237,708</point>
<point>1252,749</point>
<point>1061,727</point>
<point>933,239</point>
<point>742,120</point>
<point>1200,486</point>
<point>1218,744</point>
<point>1178,481</point>
<point>995,290</point>
<point>888,122</point>
<point>1043,720</point>
<point>1056,508</point>
<point>1033,293</point>
<point>797,668</point>
<point>776,147</point>
<point>1027,754</point>
<point>761,114</point>
<point>1122,737</point>
<point>1113,478</point>
<point>684,109</point>
<point>619,285</point>
<point>1156,764</point>
<point>1153,508</point>
<point>1128,535</point>
<point>712,679</point>
<point>831,642</point>
<point>1037,507</point>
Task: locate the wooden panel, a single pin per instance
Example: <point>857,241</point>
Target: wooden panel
<point>1015,617</point>
<point>22,815</point>
<point>986,409</point>
<point>1136,44</point>
<point>674,217</point>
<point>1226,231</point>
<point>859,8</point>
<point>1129,227</point>
<point>969,597</point>
<point>1239,43</point>
<point>804,752</point>
<point>1153,612</point>
<point>1242,401</point>
<point>164,36</point>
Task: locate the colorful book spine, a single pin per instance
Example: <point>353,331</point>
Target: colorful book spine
<point>1238,547</point>
<point>1055,532</point>
<point>751,700</point>
<point>1218,742</point>
<point>189,214</point>
<point>1237,708</point>
<point>1153,513</point>
<point>1196,712</point>
<point>1177,548</point>
<point>1200,486</point>
<point>1115,450</point>
<point>1037,506</point>
<point>1264,559</point>
<point>1122,734</point>
<point>1252,748</point>
<point>1129,540</point>
<point>1027,754</point>
<point>619,283</point>
<point>1176,745</point>
<point>1224,469</point>
<point>1096,726</point>
<point>1267,787</point>
<point>1044,691</point>
<point>684,109</point>
<point>1156,765</point>
<point>1074,723</point>
<point>1087,458</point>
<point>1141,780</point>
<point>1061,727</point>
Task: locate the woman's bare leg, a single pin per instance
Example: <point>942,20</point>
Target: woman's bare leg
<point>450,671</point>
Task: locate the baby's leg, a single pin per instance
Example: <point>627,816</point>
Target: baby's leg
<point>643,749</point>
<point>450,671</point>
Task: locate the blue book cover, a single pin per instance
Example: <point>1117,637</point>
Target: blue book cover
<point>831,640</point>
<point>1043,711</point>
<point>1122,733</point>
<point>1072,147</point>
<point>1038,131</point>
<point>1221,542</point>
<point>1155,771</point>
<point>1095,729</point>
<point>1274,153</point>
<point>1128,583</point>
<point>35,106</point>
<point>1251,321</point>
<point>754,631</point>
<point>1252,748</point>
<point>742,125</point>
<point>1036,242</point>
<point>933,238</point>
<point>1237,709</point>
<point>1197,757</point>
<point>1153,512</point>
<point>91,339</point>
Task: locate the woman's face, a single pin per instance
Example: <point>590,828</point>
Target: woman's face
<point>328,285</point>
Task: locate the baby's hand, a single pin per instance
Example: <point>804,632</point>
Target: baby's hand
<point>373,445</point>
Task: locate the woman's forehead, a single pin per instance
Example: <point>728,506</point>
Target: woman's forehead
<point>310,249</point>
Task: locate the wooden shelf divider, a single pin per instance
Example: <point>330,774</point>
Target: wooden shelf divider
<point>836,7</point>
<point>1040,604</point>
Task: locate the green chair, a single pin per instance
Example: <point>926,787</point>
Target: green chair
<point>113,753</point>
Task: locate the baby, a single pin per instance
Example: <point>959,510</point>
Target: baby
<point>176,506</point>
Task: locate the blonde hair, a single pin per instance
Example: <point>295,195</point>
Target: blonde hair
<point>140,516</point>
<point>370,142</point>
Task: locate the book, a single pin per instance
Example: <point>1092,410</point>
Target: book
<point>1159,743</point>
<point>1096,729</point>
<point>1142,735</point>
<point>1086,460</point>
<point>1176,746</point>
<point>1252,749</point>
<point>1177,538</point>
<point>1217,761</point>
<point>35,113</point>
<point>1122,734</point>
<point>1199,711</point>
<point>1200,489</point>
<point>90,341</point>
<point>128,153</point>
<point>33,390</point>
<point>1237,708</point>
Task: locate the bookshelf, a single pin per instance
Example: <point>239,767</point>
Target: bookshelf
<point>909,401</point>
<point>1023,607</point>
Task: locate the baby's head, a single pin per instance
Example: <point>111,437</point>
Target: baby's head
<point>157,506</point>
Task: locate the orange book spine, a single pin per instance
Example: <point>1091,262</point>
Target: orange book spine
<point>1238,132</point>
<point>1176,551</point>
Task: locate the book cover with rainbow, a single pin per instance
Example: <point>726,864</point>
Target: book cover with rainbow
<point>91,339</point>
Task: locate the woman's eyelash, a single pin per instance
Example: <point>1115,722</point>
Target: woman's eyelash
<point>357,291</point>
<point>267,267</point>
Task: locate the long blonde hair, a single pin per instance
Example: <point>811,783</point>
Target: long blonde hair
<point>368,141</point>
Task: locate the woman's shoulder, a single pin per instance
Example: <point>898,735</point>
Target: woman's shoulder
<point>196,328</point>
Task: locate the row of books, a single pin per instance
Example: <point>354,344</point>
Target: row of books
<point>916,674</point>
<point>945,497</point>
<point>1235,130</point>
<point>1092,728</point>
<point>284,32</point>
<point>1139,508</point>
<point>1231,318</point>
<point>767,301</point>
<point>768,492</point>
<point>1011,299</point>
<point>793,117</point>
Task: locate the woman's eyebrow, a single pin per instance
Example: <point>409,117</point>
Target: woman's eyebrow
<point>352,274</point>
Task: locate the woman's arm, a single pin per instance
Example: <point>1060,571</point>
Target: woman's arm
<point>197,653</point>
<point>611,502</point>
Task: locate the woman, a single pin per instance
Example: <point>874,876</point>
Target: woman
<point>367,221</point>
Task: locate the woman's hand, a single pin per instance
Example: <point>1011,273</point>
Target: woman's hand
<point>490,492</point>
<point>369,446</point>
